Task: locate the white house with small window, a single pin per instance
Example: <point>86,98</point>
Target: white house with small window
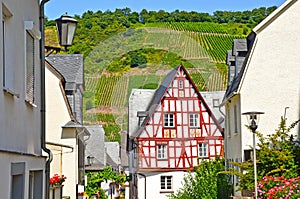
<point>21,161</point>
<point>177,131</point>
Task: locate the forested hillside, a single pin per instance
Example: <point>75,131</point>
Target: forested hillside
<point>125,50</point>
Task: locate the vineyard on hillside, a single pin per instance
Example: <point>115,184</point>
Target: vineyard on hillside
<point>202,45</point>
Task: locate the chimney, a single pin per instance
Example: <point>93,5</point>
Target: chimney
<point>239,51</point>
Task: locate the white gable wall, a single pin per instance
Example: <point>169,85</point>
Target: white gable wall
<point>57,115</point>
<point>272,80</point>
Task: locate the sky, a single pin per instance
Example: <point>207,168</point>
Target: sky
<point>55,8</point>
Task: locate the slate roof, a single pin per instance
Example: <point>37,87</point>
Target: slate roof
<point>233,87</point>
<point>95,147</point>
<point>104,153</point>
<point>70,66</point>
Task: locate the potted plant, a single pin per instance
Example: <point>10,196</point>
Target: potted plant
<point>56,186</point>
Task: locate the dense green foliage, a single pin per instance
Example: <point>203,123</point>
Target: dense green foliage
<point>206,182</point>
<point>278,155</point>
<point>94,27</point>
<point>94,180</point>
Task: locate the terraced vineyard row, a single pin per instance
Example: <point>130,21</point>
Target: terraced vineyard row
<point>192,40</point>
<point>205,27</point>
<point>104,90</point>
<point>91,83</point>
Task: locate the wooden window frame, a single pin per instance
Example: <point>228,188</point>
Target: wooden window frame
<point>169,122</point>
<point>194,121</point>
<point>166,183</point>
<point>162,152</point>
<point>203,150</point>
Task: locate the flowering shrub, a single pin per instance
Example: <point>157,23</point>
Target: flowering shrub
<point>57,180</point>
<point>279,187</point>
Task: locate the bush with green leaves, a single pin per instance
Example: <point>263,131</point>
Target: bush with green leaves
<point>277,155</point>
<point>94,180</point>
<point>206,182</point>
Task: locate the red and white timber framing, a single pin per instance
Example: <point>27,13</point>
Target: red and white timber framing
<point>182,141</point>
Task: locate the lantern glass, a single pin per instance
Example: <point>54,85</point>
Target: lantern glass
<point>66,27</point>
<point>253,115</point>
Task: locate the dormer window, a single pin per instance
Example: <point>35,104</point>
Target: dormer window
<point>142,116</point>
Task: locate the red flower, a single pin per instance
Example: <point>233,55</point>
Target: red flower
<point>57,180</point>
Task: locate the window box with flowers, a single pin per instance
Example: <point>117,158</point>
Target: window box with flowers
<point>56,186</point>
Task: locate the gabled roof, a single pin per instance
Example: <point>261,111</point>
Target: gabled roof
<point>274,15</point>
<point>62,82</point>
<point>70,66</point>
<point>163,88</point>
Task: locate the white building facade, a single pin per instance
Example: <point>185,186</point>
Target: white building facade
<point>22,163</point>
<point>268,80</point>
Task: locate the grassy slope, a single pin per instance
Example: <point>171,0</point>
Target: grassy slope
<point>201,47</point>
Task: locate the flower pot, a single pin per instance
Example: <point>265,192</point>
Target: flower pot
<point>55,191</point>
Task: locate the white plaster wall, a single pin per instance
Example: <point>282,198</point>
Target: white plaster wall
<point>31,163</point>
<point>57,115</point>
<point>233,139</point>
<point>153,184</point>
<point>272,81</point>
<point>19,121</point>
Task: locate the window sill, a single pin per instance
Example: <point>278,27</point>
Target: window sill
<point>31,103</point>
<point>11,92</point>
<point>162,159</point>
<point>166,191</point>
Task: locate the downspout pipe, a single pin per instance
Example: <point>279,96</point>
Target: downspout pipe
<point>43,100</point>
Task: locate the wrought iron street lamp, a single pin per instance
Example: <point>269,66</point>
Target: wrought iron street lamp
<point>66,27</point>
<point>90,160</point>
<point>253,118</point>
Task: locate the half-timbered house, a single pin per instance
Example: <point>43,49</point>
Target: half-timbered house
<point>173,131</point>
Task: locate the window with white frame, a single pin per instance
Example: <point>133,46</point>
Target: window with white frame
<point>228,121</point>
<point>29,68</point>
<point>216,103</point>
<point>31,35</point>
<point>194,120</point>
<point>161,151</point>
<point>166,183</point>
<point>168,120</point>
<point>203,150</point>
<point>235,119</point>
<point>7,53</point>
